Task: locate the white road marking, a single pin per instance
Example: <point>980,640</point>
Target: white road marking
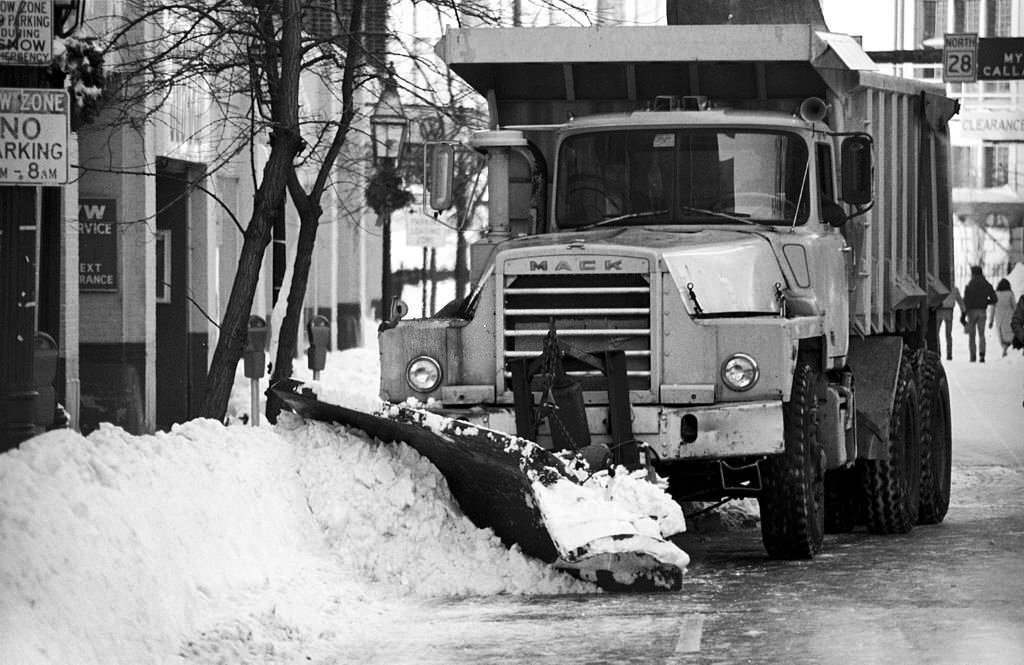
<point>690,634</point>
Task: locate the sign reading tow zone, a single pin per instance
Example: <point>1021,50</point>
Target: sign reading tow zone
<point>960,57</point>
<point>33,136</point>
<point>26,32</point>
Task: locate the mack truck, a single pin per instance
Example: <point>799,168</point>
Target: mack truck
<point>716,250</point>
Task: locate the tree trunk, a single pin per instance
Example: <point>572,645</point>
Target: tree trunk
<point>233,327</point>
<point>288,336</point>
<point>285,142</point>
<point>707,12</point>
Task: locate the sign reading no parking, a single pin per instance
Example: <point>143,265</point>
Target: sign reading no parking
<point>33,136</point>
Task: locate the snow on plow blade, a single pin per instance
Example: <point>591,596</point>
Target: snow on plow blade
<point>527,495</point>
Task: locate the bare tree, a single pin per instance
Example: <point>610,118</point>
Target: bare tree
<point>697,12</point>
<point>252,58</point>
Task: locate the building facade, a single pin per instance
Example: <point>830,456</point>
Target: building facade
<point>987,134</point>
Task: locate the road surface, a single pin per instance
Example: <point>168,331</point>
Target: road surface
<point>949,594</point>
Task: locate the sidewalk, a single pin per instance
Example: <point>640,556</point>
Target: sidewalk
<point>988,419</point>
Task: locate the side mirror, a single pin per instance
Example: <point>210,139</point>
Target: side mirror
<point>439,167</point>
<point>833,214</point>
<point>396,312</point>
<point>856,169</point>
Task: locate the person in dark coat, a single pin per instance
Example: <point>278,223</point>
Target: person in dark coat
<point>1017,325</point>
<point>978,296</point>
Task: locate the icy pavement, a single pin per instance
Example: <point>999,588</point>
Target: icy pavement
<point>294,543</point>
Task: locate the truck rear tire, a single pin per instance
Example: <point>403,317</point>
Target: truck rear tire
<point>936,439</point>
<point>793,499</point>
<point>892,484</point>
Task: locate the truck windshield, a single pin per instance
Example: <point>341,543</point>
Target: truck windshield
<point>692,176</point>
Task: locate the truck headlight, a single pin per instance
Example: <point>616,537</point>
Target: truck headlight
<point>740,372</point>
<point>423,374</point>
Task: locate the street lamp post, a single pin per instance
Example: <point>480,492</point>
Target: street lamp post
<point>388,126</point>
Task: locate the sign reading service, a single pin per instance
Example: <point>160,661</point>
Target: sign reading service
<point>97,245</point>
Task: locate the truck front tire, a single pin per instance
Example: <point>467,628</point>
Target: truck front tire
<point>793,499</point>
<point>892,484</point>
<point>936,439</point>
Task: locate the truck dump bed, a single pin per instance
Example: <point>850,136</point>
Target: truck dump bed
<point>902,258</point>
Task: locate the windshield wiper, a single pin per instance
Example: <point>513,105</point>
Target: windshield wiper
<point>620,218</point>
<point>734,216</point>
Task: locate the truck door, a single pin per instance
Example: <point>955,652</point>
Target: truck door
<point>836,260</point>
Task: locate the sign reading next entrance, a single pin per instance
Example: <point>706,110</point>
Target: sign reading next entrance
<point>97,245</point>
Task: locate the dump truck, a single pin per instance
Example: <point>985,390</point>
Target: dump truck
<point>713,250</point>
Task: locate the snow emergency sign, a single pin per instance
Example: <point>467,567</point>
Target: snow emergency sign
<point>33,136</point>
<point>26,32</point>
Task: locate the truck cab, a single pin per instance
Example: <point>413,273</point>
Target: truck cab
<point>684,249</point>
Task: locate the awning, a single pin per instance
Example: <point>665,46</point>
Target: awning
<point>981,203</point>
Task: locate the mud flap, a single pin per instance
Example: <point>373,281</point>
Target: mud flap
<point>502,482</point>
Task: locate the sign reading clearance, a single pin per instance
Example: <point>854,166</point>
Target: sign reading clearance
<point>989,126</point>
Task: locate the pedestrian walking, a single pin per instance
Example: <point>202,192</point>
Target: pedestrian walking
<point>1017,325</point>
<point>978,296</point>
<point>944,316</point>
<point>1002,313</point>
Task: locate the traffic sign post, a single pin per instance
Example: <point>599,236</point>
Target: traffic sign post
<point>34,136</point>
<point>1001,58</point>
<point>960,57</point>
<point>26,32</point>
<point>423,231</point>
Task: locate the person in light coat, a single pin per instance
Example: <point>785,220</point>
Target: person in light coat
<point>1002,313</point>
<point>944,316</point>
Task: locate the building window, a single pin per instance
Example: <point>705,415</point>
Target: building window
<point>163,266</point>
<point>928,20</point>
<point>998,15</point>
<point>997,163</point>
<point>962,171</point>
<point>318,19</point>
<point>966,14</point>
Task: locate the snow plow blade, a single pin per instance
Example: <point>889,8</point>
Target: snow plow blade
<point>508,484</point>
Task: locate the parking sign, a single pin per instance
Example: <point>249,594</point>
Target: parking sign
<point>960,57</point>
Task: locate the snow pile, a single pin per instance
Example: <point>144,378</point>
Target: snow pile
<point>350,378</point>
<point>216,543</point>
<point>116,545</point>
<point>389,517</point>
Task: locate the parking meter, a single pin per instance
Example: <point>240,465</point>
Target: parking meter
<point>44,369</point>
<point>254,354</point>
<point>319,331</point>
<point>255,359</point>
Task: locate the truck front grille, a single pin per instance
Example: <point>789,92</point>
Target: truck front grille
<point>590,312</point>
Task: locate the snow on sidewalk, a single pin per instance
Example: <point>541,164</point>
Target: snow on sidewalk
<point>214,543</point>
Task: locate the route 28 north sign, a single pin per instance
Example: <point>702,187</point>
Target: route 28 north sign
<point>960,58</point>
<point>966,59</point>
